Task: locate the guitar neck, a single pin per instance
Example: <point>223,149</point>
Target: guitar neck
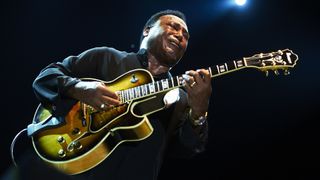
<point>176,81</point>
<point>227,67</point>
<point>281,59</point>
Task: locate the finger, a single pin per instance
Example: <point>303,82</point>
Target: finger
<point>205,74</point>
<point>191,72</point>
<point>110,101</point>
<point>186,86</point>
<point>107,92</point>
<point>189,79</point>
<point>196,76</point>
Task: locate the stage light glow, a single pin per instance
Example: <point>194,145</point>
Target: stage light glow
<point>240,2</point>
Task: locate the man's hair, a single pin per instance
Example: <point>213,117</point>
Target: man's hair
<point>155,17</point>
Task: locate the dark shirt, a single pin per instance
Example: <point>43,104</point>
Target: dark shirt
<point>173,132</point>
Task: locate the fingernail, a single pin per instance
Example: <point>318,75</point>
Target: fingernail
<point>183,82</point>
<point>186,77</point>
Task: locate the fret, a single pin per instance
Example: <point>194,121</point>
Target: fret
<point>123,98</point>
<point>245,62</point>
<point>127,94</point>
<point>172,82</point>
<point>151,88</point>
<point>137,92</point>
<point>214,71</point>
<point>155,86</point>
<point>134,89</point>
<point>235,64</point>
<point>181,81</point>
<point>231,65</point>
<point>146,88</point>
<point>225,64</point>
<point>131,93</point>
<point>218,70</point>
<point>177,78</point>
<point>210,72</point>
<point>160,86</point>
<point>143,90</point>
<point>164,84</point>
<point>124,95</point>
<point>140,92</point>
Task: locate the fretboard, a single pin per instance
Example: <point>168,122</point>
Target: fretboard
<point>175,82</point>
<point>227,67</point>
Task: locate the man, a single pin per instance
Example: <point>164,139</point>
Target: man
<point>179,130</point>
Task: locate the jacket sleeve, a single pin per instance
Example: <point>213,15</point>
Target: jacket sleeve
<point>187,140</point>
<point>51,85</point>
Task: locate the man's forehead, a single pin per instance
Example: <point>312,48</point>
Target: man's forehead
<point>175,19</point>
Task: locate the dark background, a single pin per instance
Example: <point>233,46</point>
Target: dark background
<point>260,127</point>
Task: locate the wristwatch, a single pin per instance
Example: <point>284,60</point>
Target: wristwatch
<point>199,121</point>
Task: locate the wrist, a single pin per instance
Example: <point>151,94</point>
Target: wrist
<point>73,91</point>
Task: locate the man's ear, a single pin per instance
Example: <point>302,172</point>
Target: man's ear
<point>146,31</point>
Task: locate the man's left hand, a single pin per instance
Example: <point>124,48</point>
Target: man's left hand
<point>198,87</point>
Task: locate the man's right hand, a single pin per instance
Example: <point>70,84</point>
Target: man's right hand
<point>95,94</point>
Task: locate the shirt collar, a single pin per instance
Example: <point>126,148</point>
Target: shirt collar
<point>142,55</point>
<point>143,58</point>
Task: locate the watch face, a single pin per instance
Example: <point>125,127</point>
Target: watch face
<point>200,121</point>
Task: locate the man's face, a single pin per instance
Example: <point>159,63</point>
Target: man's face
<point>168,39</point>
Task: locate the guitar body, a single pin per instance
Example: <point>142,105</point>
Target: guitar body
<point>86,137</point>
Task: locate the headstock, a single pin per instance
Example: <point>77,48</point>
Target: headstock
<point>281,59</point>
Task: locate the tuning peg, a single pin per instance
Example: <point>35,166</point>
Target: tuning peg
<point>276,72</point>
<point>280,52</point>
<point>286,72</point>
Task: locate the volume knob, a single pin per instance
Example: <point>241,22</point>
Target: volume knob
<point>60,139</point>
<point>61,153</point>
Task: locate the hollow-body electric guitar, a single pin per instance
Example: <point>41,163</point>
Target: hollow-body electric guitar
<point>85,137</point>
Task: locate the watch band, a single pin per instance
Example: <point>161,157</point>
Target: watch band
<point>199,121</point>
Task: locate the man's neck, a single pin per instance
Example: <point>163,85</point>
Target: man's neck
<point>155,67</point>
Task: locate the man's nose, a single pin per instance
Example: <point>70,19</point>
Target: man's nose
<point>179,36</point>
